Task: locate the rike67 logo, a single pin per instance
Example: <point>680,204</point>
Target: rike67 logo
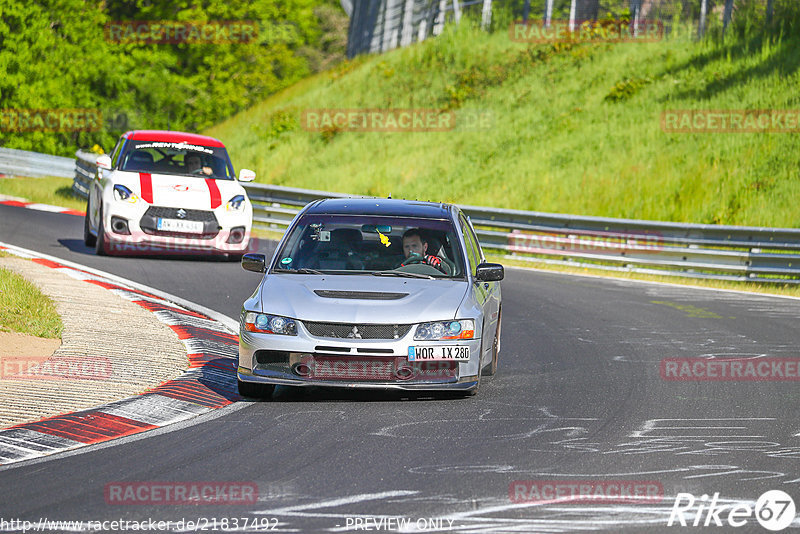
<point>774,510</point>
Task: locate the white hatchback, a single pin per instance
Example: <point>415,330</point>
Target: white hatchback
<point>164,191</point>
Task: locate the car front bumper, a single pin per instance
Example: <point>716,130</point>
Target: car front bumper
<point>304,360</point>
<point>135,240</point>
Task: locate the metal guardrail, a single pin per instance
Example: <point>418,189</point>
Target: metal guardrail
<point>738,253</point>
<point>381,25</point>
<point>695,250</point>
<point>23,163</point>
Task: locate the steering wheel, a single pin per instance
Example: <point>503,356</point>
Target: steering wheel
<point>413,259</point>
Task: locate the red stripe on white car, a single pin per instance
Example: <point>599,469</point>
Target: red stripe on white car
<point>146,185</point>
<point>216,199</point>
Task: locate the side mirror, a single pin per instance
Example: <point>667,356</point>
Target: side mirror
<point>104,162</point>
<point>254,262</point>
<point>489,272</point>
<point>246,175</point>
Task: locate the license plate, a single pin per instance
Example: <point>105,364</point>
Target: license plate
<point>421,354</point>
<point>177,225</point>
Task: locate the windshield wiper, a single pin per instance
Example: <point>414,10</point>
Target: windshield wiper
<point>402,274</point>
<point>304,270</point>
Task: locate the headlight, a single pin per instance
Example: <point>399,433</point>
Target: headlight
<point>462,329</point>
<point>124,194</point>
<point>235,204</point>
<point>269,324</point>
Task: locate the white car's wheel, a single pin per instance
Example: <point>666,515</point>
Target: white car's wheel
<point>100,242</point>
<point>88,239</point>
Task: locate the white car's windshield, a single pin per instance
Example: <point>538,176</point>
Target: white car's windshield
<point>384,246</point>
<point>163,157</point>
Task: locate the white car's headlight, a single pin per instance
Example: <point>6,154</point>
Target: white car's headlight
<point>269,324</point>
<point>461,329</point>
<point>235,204</point>
<point>124,194</point>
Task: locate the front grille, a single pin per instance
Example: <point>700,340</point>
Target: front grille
<point>149,222</point>
<point>357,331</point>
<point>172,213</point>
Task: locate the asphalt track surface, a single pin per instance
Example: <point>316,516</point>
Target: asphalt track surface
<point>578,397</point>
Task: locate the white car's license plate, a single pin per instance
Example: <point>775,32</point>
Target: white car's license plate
<point>422,354</point>
<point>177,225</point>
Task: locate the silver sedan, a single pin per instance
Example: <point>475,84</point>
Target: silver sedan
<point>372,293</point>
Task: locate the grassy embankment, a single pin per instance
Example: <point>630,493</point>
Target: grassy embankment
<point>47,190</point>
<point>575,129</point>
<point>24,309</point>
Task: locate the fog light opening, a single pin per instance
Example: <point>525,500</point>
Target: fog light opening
<point>236,235</point>
<point>120,226</point>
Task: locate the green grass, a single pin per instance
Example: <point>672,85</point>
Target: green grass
<point>24,309</point>
<point>47,190</point>
<point>575,129</point>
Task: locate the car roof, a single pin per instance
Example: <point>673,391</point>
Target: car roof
<point>170,136</point>
<point>381,206</point>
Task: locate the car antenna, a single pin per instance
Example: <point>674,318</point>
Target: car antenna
<point>390,195</point>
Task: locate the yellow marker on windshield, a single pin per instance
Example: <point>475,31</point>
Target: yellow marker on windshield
<point>384,239</point>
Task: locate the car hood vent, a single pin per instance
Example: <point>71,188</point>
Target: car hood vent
<point>359,295</point>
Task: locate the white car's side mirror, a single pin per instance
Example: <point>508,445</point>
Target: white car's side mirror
<point>104,162</point>
<point>246,175</point>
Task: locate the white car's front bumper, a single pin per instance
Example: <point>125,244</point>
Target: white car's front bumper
<point>227,231</point>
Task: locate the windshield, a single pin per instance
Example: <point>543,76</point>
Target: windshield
<point>177,158</point>
<point>382,246</point>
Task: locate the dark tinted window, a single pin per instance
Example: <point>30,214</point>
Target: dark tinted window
<point>177,158</point>
<point>364,244</point>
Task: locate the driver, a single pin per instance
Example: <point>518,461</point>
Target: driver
<point>414,243</point>
<point>194,164</point>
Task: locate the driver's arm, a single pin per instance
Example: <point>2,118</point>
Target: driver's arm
<point>436,262</point>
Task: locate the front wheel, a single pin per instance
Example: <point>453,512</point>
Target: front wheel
<point>88,239</point>
<point>491,368</point>
<point>100,241</point>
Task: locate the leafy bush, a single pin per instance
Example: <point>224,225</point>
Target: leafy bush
<point>54,54</point>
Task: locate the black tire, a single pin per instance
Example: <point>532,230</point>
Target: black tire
<point>255,391</point>
<point>88,239</point>
<point>491,368</point>
<point>100,241</point>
